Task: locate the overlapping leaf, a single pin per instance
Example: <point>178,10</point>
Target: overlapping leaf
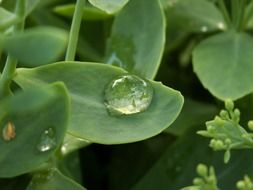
<point>90,119</point>
<point>137,38</point>
<point>31,113</point>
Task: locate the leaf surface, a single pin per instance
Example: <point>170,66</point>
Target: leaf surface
<point>137,38</point>
<point>54,180</point>
<point>109,6</point>
<point>31,113</point>
<point>224,66</point>
<point>89,13</point>
<point>90,119</point>
<point>36,46</point>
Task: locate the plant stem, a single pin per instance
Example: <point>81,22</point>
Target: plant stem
<point>74,31</point>
<point>11,63</point>
<point>224,12</point>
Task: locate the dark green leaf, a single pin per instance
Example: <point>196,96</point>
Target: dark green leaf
<point>90,119</point>
<point>223,64</point>
<point>70,166</point>
<point>90,13</point>
<point>190,117</point>
<point>31,114</point>
<point>53,180</point>
<point>36,46</point>
<point>109,6</point>
<point>176,168</point>
<point>137,39</point>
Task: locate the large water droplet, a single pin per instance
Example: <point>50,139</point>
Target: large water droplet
<point>47,140</point>
<point>9,132</point>
<point>128,94</point>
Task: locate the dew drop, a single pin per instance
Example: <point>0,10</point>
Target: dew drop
<point>9,132</point>
<point>47,140</point>
<point>204,29</point>
<point>128,94</point>
<point>221,26</point>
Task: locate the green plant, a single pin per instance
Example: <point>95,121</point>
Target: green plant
<point>103,90</point>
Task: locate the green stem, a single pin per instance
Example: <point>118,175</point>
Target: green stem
<point>11,63</point>
<point>74,31</point>
<point>224,12</point>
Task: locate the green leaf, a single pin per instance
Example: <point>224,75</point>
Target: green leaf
<point>7,19</point>
<point>109,6</point>
<point>195,15</point>
<point>176,167</point>
<point>72,143</point>
<point>190,117</point>
<point>90,13</point>
<point>137,38</point>
<point>31,5</point>
<point>223,64</point>
<point>27,116</point>
<point>36,46</point>
<point>54,180</point>
<point>90,119</point>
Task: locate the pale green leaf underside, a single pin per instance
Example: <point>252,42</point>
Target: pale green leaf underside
<point>109,6</point>
<point>32,112</point>
<point>36,46</point>
<point>137,39</point>
<point>224,66</point>
<point>89,13</point>
<point>90,120</point>
<point>53,180</point>
<point>7,18</point>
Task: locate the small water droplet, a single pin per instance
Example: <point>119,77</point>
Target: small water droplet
<point>9,132</point>
<point>204,29</point>
<point>47,140</point>
<point>221,25</point>
<point>128,94</point>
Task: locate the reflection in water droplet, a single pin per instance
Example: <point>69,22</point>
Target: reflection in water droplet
<point>9,132</point>
<point>115,60</point>
<point>128,94</point>
<point>47,140</point>
<point>204,29</point>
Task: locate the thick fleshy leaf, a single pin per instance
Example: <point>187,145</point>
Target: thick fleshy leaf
<point>54,180</point>
<point>109,6</point>
<point>36,46</point>
<point>137,38</point>
<point>223,64</point>
<point>7,18</point>
<point>196,15</point>
<point>90,119</point>
<point>90,13</point>
<point>24,119</point>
